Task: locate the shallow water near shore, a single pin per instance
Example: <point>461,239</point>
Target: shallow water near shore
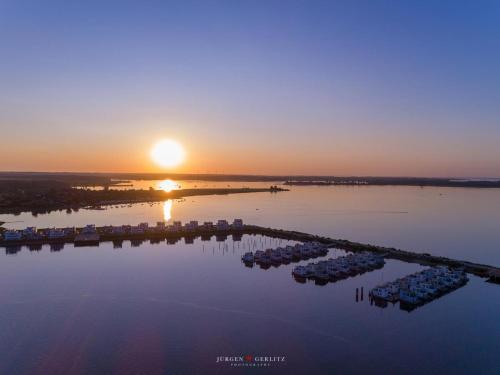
<point>161,309</point>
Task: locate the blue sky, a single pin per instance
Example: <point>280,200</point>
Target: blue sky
<point>325,87</point>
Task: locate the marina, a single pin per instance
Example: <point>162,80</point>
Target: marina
<point>91,235</point>
<point>284,255</point>
<point>419,288</point>
<point>334,269</point>
<point>103,292</point>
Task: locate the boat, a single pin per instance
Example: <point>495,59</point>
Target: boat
<point>381,293</point>
<point>408,296</point>
<point>258,254</point>
<point>300,271</point>
<point>276,257</point>
<point>248,257</point>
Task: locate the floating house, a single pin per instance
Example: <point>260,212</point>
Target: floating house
<point>56,233</point>
<point>222,225</point>
<point>238,224</point>
<point>208,225</point>
<point>118,229</point>
<point>177,226</point>
<point>12,235</point>
<point>89,229</point>
<point>192,225</point>
<point>69,231</point>
<point>30,233</point>
<point>137,229</point>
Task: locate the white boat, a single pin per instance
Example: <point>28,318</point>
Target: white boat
<point>258,254</point>
<point>381,292</point>
<point>311,269</point>
<point>248,257</point>
<point>276,257</point>
<point>12,235</point>
<point>321,274</point>
<point>408,297</point>
<point>429,288</point>
<point>305,251</point>
<point>300,271</point>
<point>287,256</point>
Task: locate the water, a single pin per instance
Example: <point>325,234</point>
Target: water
<point>160,309</point>
<point>173,309</point>
<point>455,222</point>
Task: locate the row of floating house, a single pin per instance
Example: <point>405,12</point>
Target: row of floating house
<point>285,255</point>
<point>32,234</point>
<point>334,269</point>
<point>421,287</point>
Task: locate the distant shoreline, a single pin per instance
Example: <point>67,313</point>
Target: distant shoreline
<point>116,178</point>
<point>400,182</point>
<point>41,200</point>
<point>125,179</point>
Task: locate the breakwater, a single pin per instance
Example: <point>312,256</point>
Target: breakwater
<point>108,233</point>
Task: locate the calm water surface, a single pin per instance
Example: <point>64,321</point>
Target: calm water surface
<point>455,222</point>
<point>173,309</point>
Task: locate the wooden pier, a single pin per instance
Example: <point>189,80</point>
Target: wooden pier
<point>481,270</point>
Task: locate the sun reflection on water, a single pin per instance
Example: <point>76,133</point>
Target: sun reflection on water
<point>167,210</point>
<point>168,185</point>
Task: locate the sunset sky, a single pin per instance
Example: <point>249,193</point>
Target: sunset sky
<point>258,87</point>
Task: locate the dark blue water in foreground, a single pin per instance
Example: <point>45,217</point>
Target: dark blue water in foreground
<point>173,309</point>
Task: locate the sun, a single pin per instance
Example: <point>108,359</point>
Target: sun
<point>168,153</point>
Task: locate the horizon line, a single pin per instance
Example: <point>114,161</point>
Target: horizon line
<point>280,176</point>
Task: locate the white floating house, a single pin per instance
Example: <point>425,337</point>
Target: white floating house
<point>137,229</point>
<point>89,229</point>
<point>222,225</point>
<point>118,229</point>
<point>177,226</point>
<point>208,225</point>
<point>56,233</point>
<point>30,232</point>
<point>192,225</point>
<point>69,231</point>
<point>238,224</point>
<point>12,235</point>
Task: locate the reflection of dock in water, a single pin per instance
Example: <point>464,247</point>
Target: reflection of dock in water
<point>35,247</point>
<point>56,247</point>
<point>136,242</point>
<point>12,250</point>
